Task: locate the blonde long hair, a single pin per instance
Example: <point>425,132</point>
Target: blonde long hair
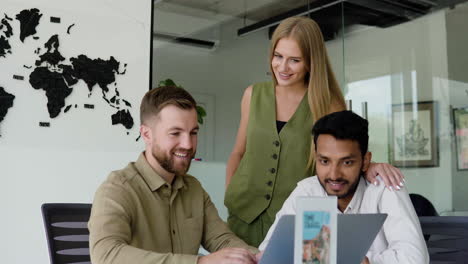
<point>322,86</point>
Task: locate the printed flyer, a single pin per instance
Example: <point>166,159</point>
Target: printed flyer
<point>316,228</point>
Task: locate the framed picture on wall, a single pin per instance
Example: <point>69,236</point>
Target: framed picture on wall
<point>460,121</point>
<point>413,135</point>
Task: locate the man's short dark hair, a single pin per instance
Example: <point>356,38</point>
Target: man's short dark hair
<point>157,98</point>
<point>344,125</point>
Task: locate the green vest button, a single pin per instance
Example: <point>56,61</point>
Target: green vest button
<point>248,201</point>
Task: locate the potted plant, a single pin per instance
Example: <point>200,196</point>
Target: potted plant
<point>201,113</point>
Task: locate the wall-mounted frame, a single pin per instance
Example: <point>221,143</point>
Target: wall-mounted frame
<point>460,122</point>
<point>413,135</point>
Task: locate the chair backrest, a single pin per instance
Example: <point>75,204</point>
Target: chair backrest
<point>448,242</point>
<point>422,205</point>
<point>67,232</point>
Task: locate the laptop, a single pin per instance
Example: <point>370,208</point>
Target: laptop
<point>351,228</point>
<point>280,249</point>
<point>356,233</point>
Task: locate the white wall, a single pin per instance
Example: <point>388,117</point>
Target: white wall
<point>66,162</point>
<point>34,176</point>
<point>211,176</point>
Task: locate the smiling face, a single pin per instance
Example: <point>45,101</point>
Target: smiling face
<point>172,140</point>
<point>339,166</point>
<point>288,63</point>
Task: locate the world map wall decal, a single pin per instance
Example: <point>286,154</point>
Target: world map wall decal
<point>57,75</point>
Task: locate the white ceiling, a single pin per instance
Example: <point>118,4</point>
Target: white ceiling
<point>254,9</point>
<point>189,17</point>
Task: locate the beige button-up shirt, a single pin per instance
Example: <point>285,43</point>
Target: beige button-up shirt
<point>137,217</point>
<point>400,240</point>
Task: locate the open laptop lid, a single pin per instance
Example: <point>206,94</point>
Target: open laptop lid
<point>280,249</point>
<point>356,233</point>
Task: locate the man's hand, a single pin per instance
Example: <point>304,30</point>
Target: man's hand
<point>365,261</point>
<point>390,175</point>
<point>229,256</point>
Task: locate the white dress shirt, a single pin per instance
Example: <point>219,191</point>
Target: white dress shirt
<point>399,241</point>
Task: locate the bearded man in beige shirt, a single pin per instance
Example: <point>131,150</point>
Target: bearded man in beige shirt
<point>152,211</point>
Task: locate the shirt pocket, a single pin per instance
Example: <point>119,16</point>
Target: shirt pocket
<point>192,233</point>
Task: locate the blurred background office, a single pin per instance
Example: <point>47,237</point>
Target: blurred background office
<point>401,64</point>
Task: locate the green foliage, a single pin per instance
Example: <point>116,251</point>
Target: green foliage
<point>201,113</point>
<point>167,82</point>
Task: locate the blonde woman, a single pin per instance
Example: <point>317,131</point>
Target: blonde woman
<point>273,144</point>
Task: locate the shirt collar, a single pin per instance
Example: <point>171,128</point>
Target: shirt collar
<point>355,204</point>
<point>153,179</point>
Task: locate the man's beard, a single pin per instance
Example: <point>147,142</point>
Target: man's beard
<point>167,162</point>
<point>352,189</point>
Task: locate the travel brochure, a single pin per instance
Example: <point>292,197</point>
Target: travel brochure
<point>315,230</point>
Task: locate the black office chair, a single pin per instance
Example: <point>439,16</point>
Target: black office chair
<point>422,205</point>
<point>67,232</point>
<point>448,242</point>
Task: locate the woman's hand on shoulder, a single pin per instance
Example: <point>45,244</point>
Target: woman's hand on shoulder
<point>392,176</point>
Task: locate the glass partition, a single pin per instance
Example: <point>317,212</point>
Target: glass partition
<point>410,79</point>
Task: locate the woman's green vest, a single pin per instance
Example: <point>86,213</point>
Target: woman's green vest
<point>272,164</point>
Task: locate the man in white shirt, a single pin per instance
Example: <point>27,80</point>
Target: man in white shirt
<point>341,142</point>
